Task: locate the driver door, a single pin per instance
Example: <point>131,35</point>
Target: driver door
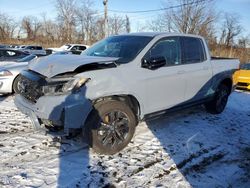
<point>165,87</point>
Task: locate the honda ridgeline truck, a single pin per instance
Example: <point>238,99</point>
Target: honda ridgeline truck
<point>120,81</point>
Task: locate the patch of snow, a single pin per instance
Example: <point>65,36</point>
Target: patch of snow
<point>189,148</point>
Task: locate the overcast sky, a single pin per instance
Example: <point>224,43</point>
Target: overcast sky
<point>20,8</point>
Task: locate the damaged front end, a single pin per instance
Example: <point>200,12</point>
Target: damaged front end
<point>59,101</point>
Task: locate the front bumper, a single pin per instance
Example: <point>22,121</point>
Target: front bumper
<point>6,84</point>
<point>243,84</point>
<point>69,111</point>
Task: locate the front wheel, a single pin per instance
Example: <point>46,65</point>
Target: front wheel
<point>219,102</point>
<point>110,127</point>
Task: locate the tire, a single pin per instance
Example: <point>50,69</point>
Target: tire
<point>14,86</point>
<point>219,102</point>
<point>110,127</point>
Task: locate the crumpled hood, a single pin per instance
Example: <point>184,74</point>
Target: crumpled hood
<point>53,65</point>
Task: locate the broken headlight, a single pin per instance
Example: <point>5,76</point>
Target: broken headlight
<point>4,73</point>
<point>64,86</point>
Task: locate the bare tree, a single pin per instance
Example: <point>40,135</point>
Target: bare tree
<point>116,25</point>
<point>191,16</point>
<point>231,28</point>
<point>244,41</point>
<point>31,26</point>
<point>86,19</point>
<point>99,30</point>
<point>160,24</point>
<point>49,30</point>
<point>7,27</point>
<point>66,13</point>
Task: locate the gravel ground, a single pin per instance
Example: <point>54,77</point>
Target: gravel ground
<point>190,148</point>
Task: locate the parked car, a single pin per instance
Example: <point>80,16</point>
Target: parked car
<point>11,54</point>
<point>242,77</point>
<point>2,46</point>
<point>37,50</point>
<point>15,46</point>
<point>74,48</point>
<point>9,72</point>
<point>122,80</point>
<point>21,47</point>
<point>62,53</point>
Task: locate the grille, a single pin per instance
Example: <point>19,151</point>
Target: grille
<point>242,84</point>
<point>29,89</point>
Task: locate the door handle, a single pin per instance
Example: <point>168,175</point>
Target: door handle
<point>180,72</point>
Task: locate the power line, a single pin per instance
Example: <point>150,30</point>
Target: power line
<point>160,9</point>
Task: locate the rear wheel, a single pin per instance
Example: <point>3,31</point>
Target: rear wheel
<point>219,102</point>
<point>110,127</point>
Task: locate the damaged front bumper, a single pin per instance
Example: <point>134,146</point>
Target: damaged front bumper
<point>69,110</point>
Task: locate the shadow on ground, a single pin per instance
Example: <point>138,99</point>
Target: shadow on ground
<point>189,148</point>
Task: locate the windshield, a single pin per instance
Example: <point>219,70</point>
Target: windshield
<point>124,47</point>
<point>27,58</point>
<point>245,66</point>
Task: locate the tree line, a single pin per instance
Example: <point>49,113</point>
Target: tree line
<point>78,21</point>
<point>223,31</point>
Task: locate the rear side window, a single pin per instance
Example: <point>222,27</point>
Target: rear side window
<point>30,47</point>
<point>192,50</point>
<point>82,48</point>
<point>39,48</point>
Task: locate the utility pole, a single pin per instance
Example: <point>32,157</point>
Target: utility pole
<point>105,3</point>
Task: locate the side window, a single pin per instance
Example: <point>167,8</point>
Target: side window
<point>192,50</point>
<point>82,48</point>
<point>38,48</point>
<point>169,48</point>
<point>74,48</point>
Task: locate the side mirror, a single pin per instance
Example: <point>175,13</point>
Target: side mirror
<point>154,63</point>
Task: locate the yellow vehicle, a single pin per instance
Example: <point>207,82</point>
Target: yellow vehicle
<point>242,77</point>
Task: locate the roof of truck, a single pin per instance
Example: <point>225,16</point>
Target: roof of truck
<point>153,34</point>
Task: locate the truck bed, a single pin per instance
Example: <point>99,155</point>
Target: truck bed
<point>221,58</point>
<point>224,64</point>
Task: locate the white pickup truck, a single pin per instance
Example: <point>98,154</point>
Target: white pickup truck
<point>75,48</point>
<point>120,81</point>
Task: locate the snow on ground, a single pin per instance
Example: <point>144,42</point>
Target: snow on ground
<point>190,148</point>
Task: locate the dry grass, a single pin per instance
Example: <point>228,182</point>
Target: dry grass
<point>243,54</point>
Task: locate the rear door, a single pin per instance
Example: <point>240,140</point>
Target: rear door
<point>198,70</point>
<point>165,86</point>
